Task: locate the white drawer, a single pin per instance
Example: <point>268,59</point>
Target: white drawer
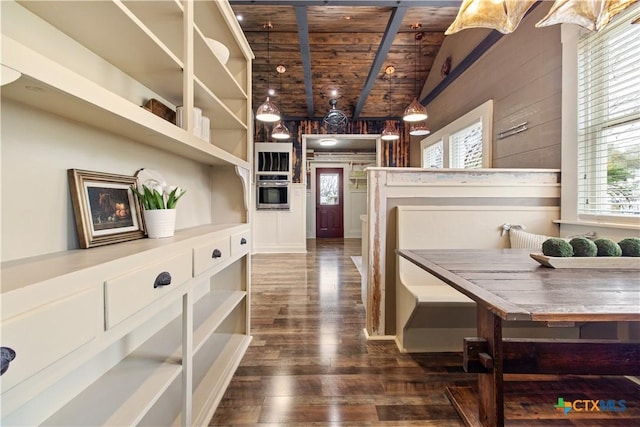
<point>210,255</point>
<point>49,332</point>
<point>240,243</point>
<point>131,292</point>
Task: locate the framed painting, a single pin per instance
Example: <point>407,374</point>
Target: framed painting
<point>105,209</point>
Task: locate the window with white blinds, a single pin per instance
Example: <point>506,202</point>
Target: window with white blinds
<point>609,119</point>
<point>464,143</point>
<point>433,156</point>
<point>465,147</point>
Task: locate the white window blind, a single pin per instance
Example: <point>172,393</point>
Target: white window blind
<point>433,156</point>
<point>609,119</point>
<point>465,147</point>
<point>463,143</point>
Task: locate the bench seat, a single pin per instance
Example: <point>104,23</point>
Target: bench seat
<point>432,316</point>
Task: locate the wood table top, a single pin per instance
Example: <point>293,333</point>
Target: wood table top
<point>515,287</point>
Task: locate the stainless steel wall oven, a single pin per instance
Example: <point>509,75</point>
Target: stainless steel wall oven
<point>273,192</point>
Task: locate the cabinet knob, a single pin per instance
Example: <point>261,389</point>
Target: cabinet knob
<point>243,241</point>
<point>7,355</point>
<point>216,253</point>
<point>163,279</point>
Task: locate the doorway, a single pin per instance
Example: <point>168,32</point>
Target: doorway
<point>329,203</point>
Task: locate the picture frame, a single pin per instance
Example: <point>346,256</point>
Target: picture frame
<point>106,211</point>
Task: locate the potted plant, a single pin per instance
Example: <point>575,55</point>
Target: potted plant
<point>158,201</point>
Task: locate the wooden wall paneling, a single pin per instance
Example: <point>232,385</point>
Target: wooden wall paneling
<point>522,74</point>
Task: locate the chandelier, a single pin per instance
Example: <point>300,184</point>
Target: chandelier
<point>335,121</point>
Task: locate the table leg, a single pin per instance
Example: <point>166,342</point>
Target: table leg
<point>490,385</point>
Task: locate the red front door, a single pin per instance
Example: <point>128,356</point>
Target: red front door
<point>329,203</point>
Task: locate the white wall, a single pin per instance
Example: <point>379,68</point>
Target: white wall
<point>36,222</point>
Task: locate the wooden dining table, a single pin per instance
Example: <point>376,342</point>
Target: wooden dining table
<point>508,285</point>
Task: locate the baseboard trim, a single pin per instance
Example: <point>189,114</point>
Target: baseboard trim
<point>378,337</point>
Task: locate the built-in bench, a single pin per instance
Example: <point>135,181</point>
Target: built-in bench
<point>431,316</point>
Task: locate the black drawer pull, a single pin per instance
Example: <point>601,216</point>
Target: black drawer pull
<point>163,279</point>
<point>7,354</point>
<point>216,253</point>
<point>243,241</point>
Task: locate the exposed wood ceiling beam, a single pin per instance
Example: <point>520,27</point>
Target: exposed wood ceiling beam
<point>395,21</point>
<point>305,52</point>
<point>378,3</point>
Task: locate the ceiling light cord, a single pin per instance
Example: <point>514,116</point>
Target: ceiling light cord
<point>390,132</point>
<point>419,128</point>
<point>280,131</point>
<point>415,112</point>
<point>268,111</point>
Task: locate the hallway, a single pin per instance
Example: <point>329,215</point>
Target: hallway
<point>309,362</point>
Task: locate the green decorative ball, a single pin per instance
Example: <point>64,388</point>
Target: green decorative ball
<point>583,247</point>
<point>630,246</point>
<point>607,247</point>
<point>557,247</point>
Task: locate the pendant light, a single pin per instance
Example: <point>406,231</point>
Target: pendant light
<point>390,133</point>
<point>419,129</point>
<point>592,15</point>
<point>268,111</point>
<point>280,131</point>
<point>415,112</point>
<point>505,15</point>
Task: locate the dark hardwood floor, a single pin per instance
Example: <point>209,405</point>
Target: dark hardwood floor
<point>310,364</point>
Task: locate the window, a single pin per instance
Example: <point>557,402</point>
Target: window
<point>432,156</point>
<point>464,143</point>
<point>465,147</point>
<point>609,120</point>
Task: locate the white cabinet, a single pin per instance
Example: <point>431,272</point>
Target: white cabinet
<point>277,231</point>
<point>96,341</point>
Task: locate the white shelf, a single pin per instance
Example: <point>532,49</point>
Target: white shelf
<point>96,63</point>
<point>22,273</point>
<point>212,72</point>
<point>215,365</point>
<point>125,393</point>
<point>72,96</point>
<point>220,115</point>
<point>163,18</point>
<point>210,311</point>
<point>112,31</point>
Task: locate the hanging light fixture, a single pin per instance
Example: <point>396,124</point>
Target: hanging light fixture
<point>505,15</point>
<point>419,129</point>
<point>268,111</point>
<point>592,15</point>
<point>415,112</point>
<point>390,133</point>
<point>500,15</point>
<point>280,131</point>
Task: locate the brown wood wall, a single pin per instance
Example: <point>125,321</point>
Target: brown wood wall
<point>394,153</point>
<point>522,73</point>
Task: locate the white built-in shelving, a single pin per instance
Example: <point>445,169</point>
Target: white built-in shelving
<point>96,64</point>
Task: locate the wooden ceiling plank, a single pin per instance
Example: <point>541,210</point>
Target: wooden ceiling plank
<point>305,52</point>
<point>394,24</point>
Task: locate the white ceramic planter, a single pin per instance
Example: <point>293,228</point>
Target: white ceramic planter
<point>160,222</point>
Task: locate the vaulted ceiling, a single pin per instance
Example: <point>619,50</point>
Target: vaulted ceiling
<point>343,45</point>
